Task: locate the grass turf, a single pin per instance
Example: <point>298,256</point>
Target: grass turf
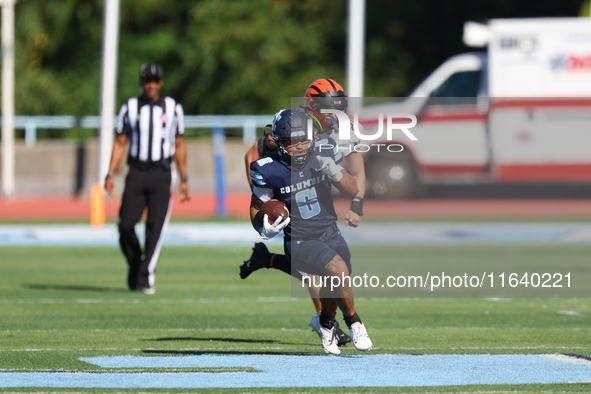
<point>58,304</point>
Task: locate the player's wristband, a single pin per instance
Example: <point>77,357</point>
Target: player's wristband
<point>110,174</point>
<point>357,205</point>
<point>184,179</point>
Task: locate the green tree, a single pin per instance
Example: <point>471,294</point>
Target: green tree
<point>238,56</point>
<point>219,56</point>
<point>57,57</point>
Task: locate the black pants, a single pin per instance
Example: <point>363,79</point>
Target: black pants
<point>145,187</point>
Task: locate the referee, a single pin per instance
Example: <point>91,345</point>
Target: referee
<point>153,126</point>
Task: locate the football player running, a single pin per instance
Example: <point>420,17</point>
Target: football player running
<point>302,177</point>
<point>321,94</point>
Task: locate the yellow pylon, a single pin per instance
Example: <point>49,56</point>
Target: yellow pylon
<point>97,206</point>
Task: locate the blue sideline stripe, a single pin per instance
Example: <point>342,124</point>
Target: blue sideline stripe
<point>315,371</point>
<point>177,234</point>
<point>372,234</point>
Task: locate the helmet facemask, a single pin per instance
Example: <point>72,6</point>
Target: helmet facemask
<point>296,150</point>
<point>331,100</point>
<point>293,132</point>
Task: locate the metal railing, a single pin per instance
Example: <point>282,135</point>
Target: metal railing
<point>248,123</point>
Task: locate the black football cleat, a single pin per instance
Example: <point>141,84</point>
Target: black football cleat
<point>260,258</point>
<point>132,277</point>
<point>342,338</point>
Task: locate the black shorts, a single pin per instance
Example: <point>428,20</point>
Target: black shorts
<point>312,255</point>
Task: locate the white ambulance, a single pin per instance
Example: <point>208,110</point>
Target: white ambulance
<point>519,112</point>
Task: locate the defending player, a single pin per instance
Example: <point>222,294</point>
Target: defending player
<point>326,93</point>
<point>312,240</point>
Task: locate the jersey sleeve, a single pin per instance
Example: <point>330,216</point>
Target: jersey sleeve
<point>258,173</point>
<point>123,120</point>
<point>261,187</point>
<point>346,146</point>
<point>258,180</point>
<point>328,147</point>
<point>179,119</point>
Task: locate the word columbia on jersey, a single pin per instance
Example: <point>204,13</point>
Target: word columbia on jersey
<point>303,184</point>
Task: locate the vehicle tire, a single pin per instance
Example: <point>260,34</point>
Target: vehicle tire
<point>392,178</point>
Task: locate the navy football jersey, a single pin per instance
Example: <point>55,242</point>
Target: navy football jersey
<point>306,191</point>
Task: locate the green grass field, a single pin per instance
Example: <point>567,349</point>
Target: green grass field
<point>58,304</point>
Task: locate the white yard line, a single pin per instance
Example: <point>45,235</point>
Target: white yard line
<point>230,329</point>
<point>147,301</point>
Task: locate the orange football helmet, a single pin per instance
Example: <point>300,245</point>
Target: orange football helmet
<point>326,93</point>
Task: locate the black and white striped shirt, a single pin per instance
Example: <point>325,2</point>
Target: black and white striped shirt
<point>151,127</point>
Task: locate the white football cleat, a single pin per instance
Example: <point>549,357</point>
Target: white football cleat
<point>147,290</point>
<point>360,338</point>
<point>328,337</point>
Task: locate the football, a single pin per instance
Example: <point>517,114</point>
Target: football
<point>273,209</point>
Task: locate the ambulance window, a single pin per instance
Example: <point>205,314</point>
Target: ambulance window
<point>463,84</point>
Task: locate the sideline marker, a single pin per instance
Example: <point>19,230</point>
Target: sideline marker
<point>97,206</point>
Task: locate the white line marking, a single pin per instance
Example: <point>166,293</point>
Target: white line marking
<point>142,301</point>
<point>569,313</point>
<point>295,329</point>
<point>568,359</point>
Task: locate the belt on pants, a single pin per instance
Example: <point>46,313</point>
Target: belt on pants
<point>144,165</point>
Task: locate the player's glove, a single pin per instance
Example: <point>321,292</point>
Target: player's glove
<point>269,230</point>
<point>330,168</point>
